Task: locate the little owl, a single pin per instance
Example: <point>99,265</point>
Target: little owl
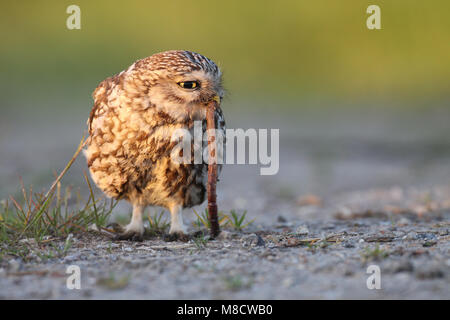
<point>131,124</point>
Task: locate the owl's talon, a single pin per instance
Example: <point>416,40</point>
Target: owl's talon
<point>129,235</point>
<point>125,233</point>
<point>176,236</point>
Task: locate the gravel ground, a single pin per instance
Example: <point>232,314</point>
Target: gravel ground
<point>311,258</point>
<point>368,192</point>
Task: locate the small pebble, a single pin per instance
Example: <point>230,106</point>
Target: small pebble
<point>349,244</point>
<point>252,240</point>
<point>14,265</point>
<point>224,235</point>
<point>301,231</point>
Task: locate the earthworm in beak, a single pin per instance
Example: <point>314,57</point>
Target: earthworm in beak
<point>212,166</point>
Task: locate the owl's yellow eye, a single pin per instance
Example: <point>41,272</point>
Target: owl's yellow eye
<point>188,84</point>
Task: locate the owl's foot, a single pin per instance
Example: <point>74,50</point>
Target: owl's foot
<point>182,236</point>
<point>176,236</point>
<point>130,232</point>
<point>129,235</point>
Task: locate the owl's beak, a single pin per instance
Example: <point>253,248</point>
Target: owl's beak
<point>216,98</point>
<point>210,103</point>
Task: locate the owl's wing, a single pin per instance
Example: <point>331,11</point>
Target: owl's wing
<point>101,96</point>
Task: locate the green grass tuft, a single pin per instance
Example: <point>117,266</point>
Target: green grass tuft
<point>203,219</point>
<point>374,254</point>
<point>232,220</point>
<point>156,223</point>
<point>237,221</point>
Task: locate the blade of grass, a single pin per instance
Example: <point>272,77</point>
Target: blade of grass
<point>82,144</point>
<point>93,200</point>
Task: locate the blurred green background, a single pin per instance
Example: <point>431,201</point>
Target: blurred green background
<point>317,51</point>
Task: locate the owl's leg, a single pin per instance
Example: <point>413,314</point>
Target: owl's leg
<point>177,230</point>
<point>135,229</point>
<point>176,220</point>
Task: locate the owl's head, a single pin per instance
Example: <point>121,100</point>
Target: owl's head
<point>181,82</point>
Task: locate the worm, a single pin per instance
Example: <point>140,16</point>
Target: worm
<point>212,170</point>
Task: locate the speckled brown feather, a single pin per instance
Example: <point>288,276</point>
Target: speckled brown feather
<point>131,123</point>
